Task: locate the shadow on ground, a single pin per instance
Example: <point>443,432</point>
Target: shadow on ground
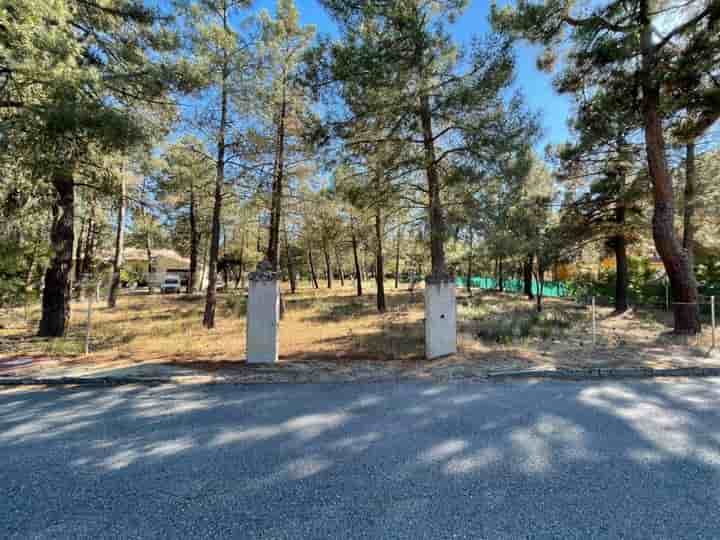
<point>370,461</point>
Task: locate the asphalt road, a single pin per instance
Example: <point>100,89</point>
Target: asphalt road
<point>347,461</point>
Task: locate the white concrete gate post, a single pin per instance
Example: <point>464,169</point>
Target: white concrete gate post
<point>263,315</point>
<point>440,317</point>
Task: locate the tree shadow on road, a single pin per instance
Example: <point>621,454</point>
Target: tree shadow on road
<point>310,455</point>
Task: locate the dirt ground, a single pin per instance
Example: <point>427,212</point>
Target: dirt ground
<point>328,334</point>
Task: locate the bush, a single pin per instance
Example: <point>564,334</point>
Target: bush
<point>708,275</point>
<point>236,303</point>
<point>13,269</point>
<point>507,328</point>
<point>646,284</point>
<point>337,312</point>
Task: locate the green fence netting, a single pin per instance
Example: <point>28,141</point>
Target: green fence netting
<point>556,289</point>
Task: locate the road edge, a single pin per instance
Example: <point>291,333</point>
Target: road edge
<point>566,374</point>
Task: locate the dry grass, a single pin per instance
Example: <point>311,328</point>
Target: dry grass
<point>318,324</point>
<point>562,335</point>
<point>337,326</point>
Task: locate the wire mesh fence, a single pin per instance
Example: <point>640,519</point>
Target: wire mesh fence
<point>551,289</point>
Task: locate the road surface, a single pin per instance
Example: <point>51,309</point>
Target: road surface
<point>348,461</point>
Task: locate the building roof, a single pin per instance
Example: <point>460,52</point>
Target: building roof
<point>137,254</point>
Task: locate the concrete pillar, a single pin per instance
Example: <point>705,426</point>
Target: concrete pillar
<point>440,317</point>
<point>263,315</point>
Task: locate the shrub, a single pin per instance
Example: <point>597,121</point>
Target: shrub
<point>236,303</point>
<point>335,312</point>
<point>505,328</point>
<point>646,284</point>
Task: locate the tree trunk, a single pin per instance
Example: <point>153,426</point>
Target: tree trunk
<point>89,243</point>
<point>528,276</point>
<point>241,263</point>
<point>539,296</point>
<point>500,283</point>
<point>621,273</point>
<point>363,266</point>
<point>689,210</point>
<point>192,285</point>
<point>119,244</point>
<point>436,217</point>
<point>328,266</point>
<point>203,261</point>
<point>468,281</point>
<point>619,243</point>
<point>31,266</point>
<point>290,264</point>
<point>273,252</point>
<point>79,251</point>
<point>211,294</point>
<point>211,297</point>
<point>379,262</point>
<point>225,271</point>
<point>241,277</point>
<point>56,294</point>
<point>340,267</point>
<point>540,278</point>
<point>675,259</point>
<point>358,273</point>
<point>313,275</point>
<point>148,252</point>
<point>397,258</point>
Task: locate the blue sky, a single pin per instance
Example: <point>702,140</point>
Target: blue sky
<point>534,84</point>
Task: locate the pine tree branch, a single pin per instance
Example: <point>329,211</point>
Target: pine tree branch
<point>597,20</point>
<point>688,24</point>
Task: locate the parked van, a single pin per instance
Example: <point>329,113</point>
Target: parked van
<point>171,284</point>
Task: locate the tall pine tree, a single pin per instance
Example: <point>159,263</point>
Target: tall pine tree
<point>406,83</point>
<point>626,49</point>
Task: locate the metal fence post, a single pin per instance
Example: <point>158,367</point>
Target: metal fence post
<point>667,296</point>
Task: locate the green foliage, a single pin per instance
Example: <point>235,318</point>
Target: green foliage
<point>517,326</point>
<point>23,246</point>
<point>332,312</point>
<point>415,104</point>
<point>632,66</point>
<point>236,303</point>
<point>646,284</point>
<point>12,280</point>
<point>78,75</point>
<point>183,187</point>
<point>708,275</point>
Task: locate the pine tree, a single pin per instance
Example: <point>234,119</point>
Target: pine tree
<point>405,82</point>
<point>601,165</point>
<point>616,49</point>
<point>224,55</point>
<point>119,239</point>
<point>284,43</point>
<point>74,74</point>
<point>185,188</point>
